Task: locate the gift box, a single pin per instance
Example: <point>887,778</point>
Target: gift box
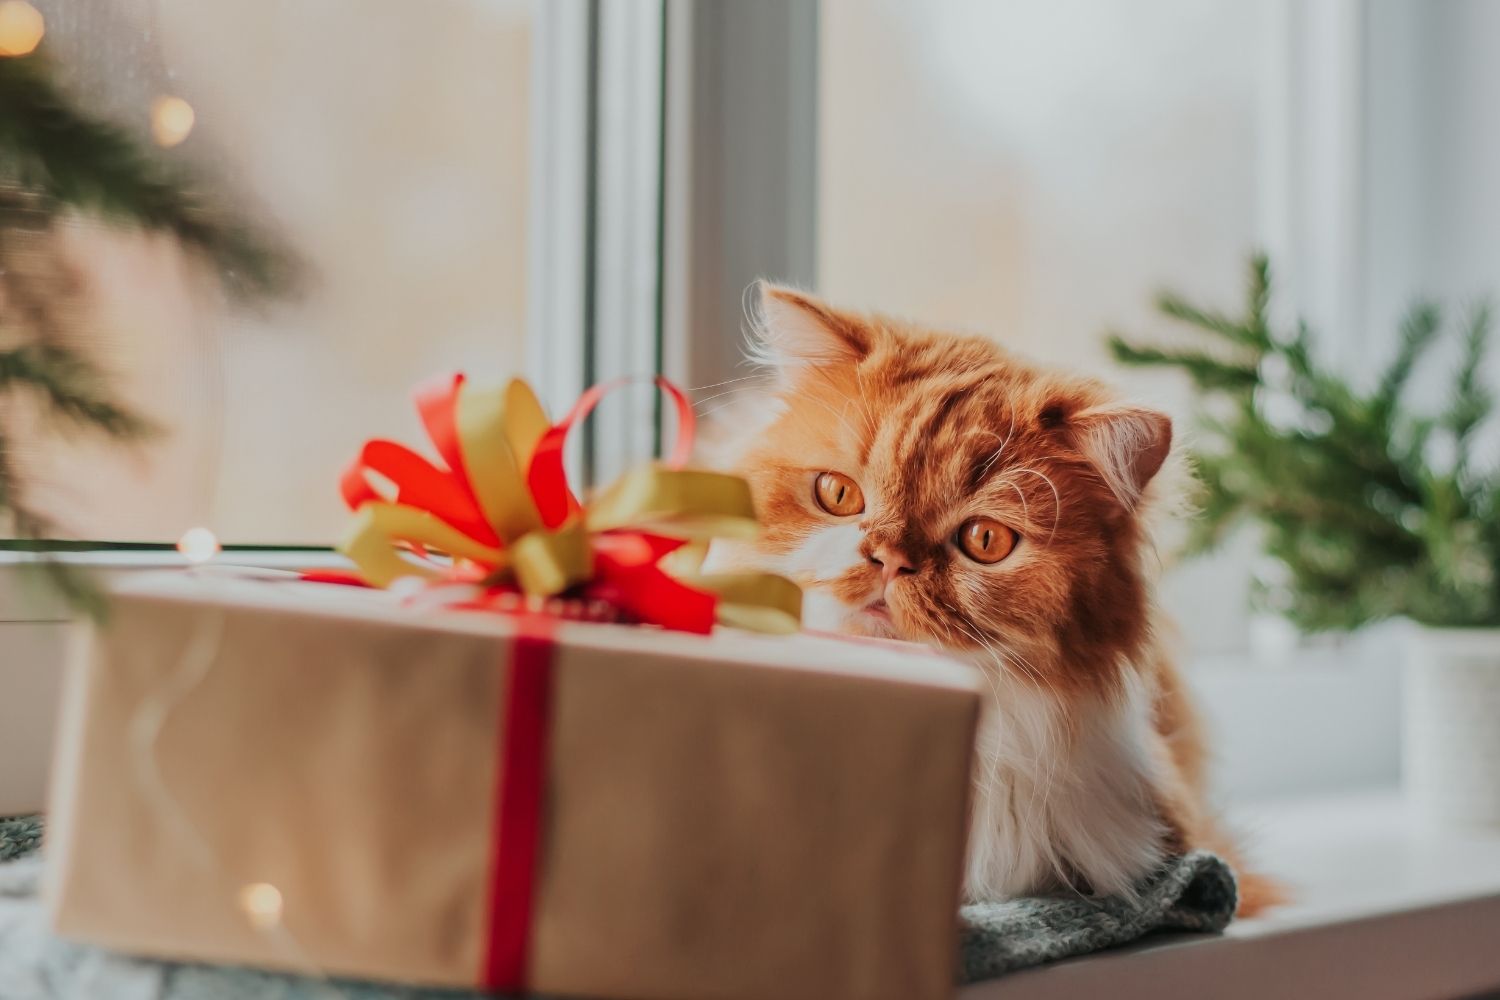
<point>329,781</point>
<point>450,783</point>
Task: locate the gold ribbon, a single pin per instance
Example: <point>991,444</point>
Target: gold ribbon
<point>497,434</point>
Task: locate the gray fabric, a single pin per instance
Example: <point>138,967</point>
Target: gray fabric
<point>19,835</point>
<point>1193,893</point>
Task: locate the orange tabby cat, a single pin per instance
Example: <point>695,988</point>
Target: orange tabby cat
<point>930,487</point>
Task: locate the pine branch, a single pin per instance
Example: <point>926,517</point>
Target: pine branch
<point>1472,402</point>
<point>1208,373</point>
<point>1419,328</point>
<point>71,159</point>
<point>73,585</point>
<point>1258,301</point>
<point>1342,483</point>
<point>72,387</point>
<point>1178,308</point>
<point>77,587</point>
<point>55,158</point>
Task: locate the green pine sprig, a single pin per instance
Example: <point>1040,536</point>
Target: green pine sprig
<point>71,387</point>
<point>68,159</point>
<point>55,159</point>
<point>1370,507</point>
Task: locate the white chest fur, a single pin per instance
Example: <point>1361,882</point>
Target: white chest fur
<point>1063,792</point>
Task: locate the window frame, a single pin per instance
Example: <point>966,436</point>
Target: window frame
<point>563,81</point>
<point>741,141</point>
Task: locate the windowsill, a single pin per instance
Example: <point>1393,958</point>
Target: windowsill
<point>23,600</point>
<point>1384,909</point>
<point>1270,718</point>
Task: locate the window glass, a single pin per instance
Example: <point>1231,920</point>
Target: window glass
<point>385,142</point>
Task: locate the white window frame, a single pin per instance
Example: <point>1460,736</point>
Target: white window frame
<point>741,171</point>
<point>559,219</point>
<point>697,177</point>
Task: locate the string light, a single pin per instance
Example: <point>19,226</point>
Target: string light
<point>171,120</point>
<point>21,28</point>
<point>261,902</point>
<point>198,545</point>
<point>407,587</point>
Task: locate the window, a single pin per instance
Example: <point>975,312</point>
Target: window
<point>582,188</point>
<point>389,143</point>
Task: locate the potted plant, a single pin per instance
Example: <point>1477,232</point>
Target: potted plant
<point>1369,506</point>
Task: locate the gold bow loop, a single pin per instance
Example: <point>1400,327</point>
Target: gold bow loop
<point>501,510</point>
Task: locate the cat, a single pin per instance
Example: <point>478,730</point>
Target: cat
<point>930,487</point>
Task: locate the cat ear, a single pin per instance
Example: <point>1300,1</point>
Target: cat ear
<point>1127,444</point>
<point>793,329</point>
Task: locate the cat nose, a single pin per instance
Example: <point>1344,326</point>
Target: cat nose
<point>891,562</point>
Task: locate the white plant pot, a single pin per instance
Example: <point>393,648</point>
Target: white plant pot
<point>1451,744</point>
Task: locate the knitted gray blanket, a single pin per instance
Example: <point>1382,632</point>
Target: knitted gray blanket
<point>1192,893</point>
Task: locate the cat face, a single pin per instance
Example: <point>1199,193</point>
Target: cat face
<point>927,486</point>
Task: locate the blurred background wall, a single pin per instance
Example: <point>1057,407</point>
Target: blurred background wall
<point>1028,169</point>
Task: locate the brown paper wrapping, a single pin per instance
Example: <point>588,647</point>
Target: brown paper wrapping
<point>734,816</point>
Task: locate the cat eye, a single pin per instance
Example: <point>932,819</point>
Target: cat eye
<point>838,494</point>
<point>985,540</point>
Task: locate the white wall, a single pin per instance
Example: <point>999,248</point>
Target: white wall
<point>1432,162</point>
<point>1035,169</point>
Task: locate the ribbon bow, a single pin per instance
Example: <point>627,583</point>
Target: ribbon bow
<point>500,509</point>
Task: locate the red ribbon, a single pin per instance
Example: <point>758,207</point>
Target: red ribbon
<point>520,778</point>
<point>626,574</point>
<point>444,492</point>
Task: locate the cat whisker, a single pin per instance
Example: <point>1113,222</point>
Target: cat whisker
<point>1056,496</point>
<point>708,414</point>
<point>990,462</point>
<point>840,417</point>
<point>991,775</point>
<point>764,376</point>
<point>1000,657</point>
<point>726,392</point>
<point>1025,507</point>
<point>1010,433</point>
<point>870,425</point>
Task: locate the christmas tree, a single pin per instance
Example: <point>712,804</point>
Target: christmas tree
<point>56,162</point>
<point>1369,507</point>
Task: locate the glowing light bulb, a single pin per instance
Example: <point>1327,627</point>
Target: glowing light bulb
<point>171,120</point>
<point>21,28</point>
<point>198,545</point>
<point>407,588</point>
<point>261,902</point>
